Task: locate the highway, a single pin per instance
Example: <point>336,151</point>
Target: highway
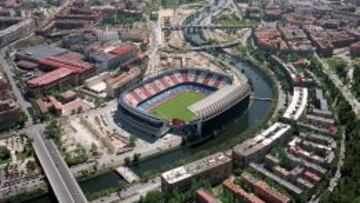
<point>57,172</point>
<point>182,27</point>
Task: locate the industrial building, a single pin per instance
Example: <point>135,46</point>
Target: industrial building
<point>114,56</point>
<point>61,68</point>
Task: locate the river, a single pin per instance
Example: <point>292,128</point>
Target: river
<point>233,129</point>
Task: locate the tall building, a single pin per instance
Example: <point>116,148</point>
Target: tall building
<point>9,109</point>
<point>16,31</point>
<point>214,168</point>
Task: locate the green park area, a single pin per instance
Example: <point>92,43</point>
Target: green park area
<point>232,20</point>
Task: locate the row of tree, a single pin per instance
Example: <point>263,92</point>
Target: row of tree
<point>177,196</point>
<point>348,189</point>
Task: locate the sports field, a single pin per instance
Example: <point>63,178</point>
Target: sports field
<point>177,107</point>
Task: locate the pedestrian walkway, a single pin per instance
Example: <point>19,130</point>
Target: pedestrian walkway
<point>127,174</point>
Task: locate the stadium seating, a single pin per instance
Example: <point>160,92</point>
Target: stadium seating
<point>136,103</point>
<point>168,81</point>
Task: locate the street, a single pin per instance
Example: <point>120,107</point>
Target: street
<point>133,193</point>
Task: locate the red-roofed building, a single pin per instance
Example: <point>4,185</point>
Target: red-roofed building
<point>56,78</point>
<point>240,194</point>
<point>355,49</point>
<point>203,196</point>
<point>122,49</point>
<point>27,65</point>
<point>264,190</point>
<point>312,177</point>
<point>68,96</point>
<point>62,68</point>
<point>79,14</point>
<point>115,84</point>
<point>75,106</point>
<point>118,56</point>
<point>269,39</point>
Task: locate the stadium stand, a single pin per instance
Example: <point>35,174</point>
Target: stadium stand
<point>223,92</point>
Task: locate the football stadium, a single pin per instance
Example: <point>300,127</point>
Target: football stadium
<point>183,101</point>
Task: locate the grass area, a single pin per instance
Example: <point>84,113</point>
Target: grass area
<point>177,106</point>
<point>233,20</point>
<point>76,157</point>
<point>177,3</point>
<point>116,19</point>
<point>3,162</point>
<point>339,66</point>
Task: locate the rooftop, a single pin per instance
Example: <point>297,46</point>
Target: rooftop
<point>50,77</point>
<point>249,197</point>
<point>122,49</point>
<point>298,104</point>
<point>42,51</point>
<point>204,194</point>
<point>123,78</point>
<point>265,138</point>
<point>194,168</point>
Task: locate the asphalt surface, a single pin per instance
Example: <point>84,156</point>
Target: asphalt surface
<point>57,172</point>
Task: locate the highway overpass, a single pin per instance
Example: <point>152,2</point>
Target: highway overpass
<point>63,183</point>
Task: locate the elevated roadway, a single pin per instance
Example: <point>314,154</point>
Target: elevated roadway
<point>63,183</point>
<point>210,27</point>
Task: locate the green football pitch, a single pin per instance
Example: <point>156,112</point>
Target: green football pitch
<point>176,107</point>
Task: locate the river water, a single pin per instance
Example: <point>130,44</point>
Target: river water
<point>233,129</point>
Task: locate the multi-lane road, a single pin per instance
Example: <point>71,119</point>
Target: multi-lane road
<point>63,183</point>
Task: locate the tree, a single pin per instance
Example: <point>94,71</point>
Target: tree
<point>52,109</point>
<point>76,157</point>
<point>136,157</point>
<point>345,113</point>
<point>356,81</point>
<point>94,149</point>
<point>127,161</point>
<point>153,197</point>
<point>53,130</point>
<point>339,66</point>
<point>79,109</point>
<point>4,153</point>
<point>22,119</point>
<point>30,166</point>
<point>132,141</point>
<point>292,57</point>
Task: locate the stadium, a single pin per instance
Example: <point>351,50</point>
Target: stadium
<point>183,101</point>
